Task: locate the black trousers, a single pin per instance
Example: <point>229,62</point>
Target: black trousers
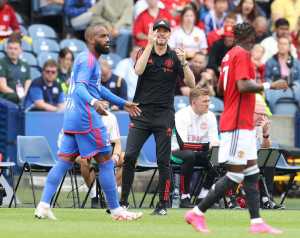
<point>159,122</point>
<point>190,159</point>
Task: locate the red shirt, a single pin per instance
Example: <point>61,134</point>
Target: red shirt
<point>212,37</point>
<point>238,108</point>
<point>142,22</point>
<point>8,19</point>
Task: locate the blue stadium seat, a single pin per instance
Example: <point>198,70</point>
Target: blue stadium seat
<point>180,102</point>
<point>44,44</point>
<point>74,45</point>
<point>112,58</point>
<point>44,56</point>
<point>41,31</point>
<point>286,106</point>
<point>26,46</point>
<point>33,155</point>
<point>216,105</point>
<point>29,59</point>
<point>34,73</point>
<point>272,96</point>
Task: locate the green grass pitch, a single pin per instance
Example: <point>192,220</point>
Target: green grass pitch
<point>90,223</point>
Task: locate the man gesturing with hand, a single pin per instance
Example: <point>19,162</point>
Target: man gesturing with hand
<point>158,68</point>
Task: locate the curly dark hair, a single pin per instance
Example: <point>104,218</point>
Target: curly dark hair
<point>243,31</point>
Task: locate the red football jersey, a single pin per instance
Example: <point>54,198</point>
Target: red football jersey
<point>238,107</point>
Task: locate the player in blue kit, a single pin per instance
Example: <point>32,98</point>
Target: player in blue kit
<point>84,131</point>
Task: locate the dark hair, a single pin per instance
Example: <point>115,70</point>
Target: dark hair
<point>64,51</point>
<point>15,37</point>
<point>50,63</point>
<point>220,1</point>
<point>192,8</point>
<point>197,92</point>
<point>253,14</point>
<point>243,30</point>
<point>281,22</point>
<point>230,15</point>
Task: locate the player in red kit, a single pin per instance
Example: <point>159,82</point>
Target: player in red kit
<point>238,144</point>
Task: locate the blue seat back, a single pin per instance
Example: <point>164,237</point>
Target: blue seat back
<point>34,73</point>
<point>75,45</point>
<point>29,58</point>
<point>286,106</point>
<point>112,58</point>
<point>180,102</point>
<point>45,45</point>
<point>44,56</point>
<point>35,151</point>
<point>216,105</point>
<point>41,31</point>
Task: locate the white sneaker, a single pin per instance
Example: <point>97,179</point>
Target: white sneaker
<point>120,214</point>
<point>43,211</point>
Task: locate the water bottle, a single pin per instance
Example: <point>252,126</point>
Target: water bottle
<point>176,198</point>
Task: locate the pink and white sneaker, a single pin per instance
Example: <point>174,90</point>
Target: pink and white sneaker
<point>264,228</point>
<point>197,221</point>
<point>123,215</point>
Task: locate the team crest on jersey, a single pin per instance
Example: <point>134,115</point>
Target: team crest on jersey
<point>204,125</point>
<point>150,61</point>
<point>168,63</point>
<point>241,154</point>
<point>226,58</point>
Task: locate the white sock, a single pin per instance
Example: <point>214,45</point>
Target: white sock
<point>197,211</point>
<point>203,193</point>
<point>119,189</point>
<point>116,211</point>
<point>44,204</point>
<point>264,199</point>
<point>93,192</point>
<point>256,220</point>
<point>185,195</point>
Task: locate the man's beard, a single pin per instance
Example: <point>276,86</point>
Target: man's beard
<point>101,49</point>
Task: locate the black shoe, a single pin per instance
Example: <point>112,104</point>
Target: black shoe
<point>160,210</point>
<point>198,201</point>
<point>124,204</point>
<point>186,203</point>
<point>95,203</point>
<point>271,205</point>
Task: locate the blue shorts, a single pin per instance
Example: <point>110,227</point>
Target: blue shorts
<point>86,145</point>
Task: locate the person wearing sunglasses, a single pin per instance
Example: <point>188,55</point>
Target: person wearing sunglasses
<point>45,93</point>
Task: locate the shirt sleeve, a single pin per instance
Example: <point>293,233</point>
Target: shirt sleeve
<point>36,94</point>
<point>72,10</point>
<point>61,97</point>
<point>242,64</point>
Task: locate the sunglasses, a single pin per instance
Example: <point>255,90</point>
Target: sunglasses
<point>50,71</point>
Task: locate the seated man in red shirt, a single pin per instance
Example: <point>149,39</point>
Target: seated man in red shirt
<point>147,17</point>
<point>8,20</point>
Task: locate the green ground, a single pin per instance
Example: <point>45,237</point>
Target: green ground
<point>89,223</point>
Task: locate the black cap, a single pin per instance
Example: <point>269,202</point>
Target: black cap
<point>161,23</point>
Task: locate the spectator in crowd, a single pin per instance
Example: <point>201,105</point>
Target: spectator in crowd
<point>204,7</point>
<point>116,15</point>
<point>196,131</point>
<point>283,65</point>
<point>65,62</point>
<point>215,18</point>
<point>51,7</point>
<point>288,9</point>
<point>145,19</point>
<point>188,36</point>
<point>79,13</point>
<point>246,11</point>
<point>197,64</point>
<point>296,43</point>
<point>219,49</point>
<point>142,5</point>
<point>115,84</point>
<point>213,36</point>
<point>282,28</point>
<point>257,53</point>
<point>125,70</point>
<point>45,93</point>
<point>208,81</point>
<point>260,25</point>
<point>14,73</point>
<point>8,20</point>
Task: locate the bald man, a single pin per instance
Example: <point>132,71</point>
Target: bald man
<point>84,132</point>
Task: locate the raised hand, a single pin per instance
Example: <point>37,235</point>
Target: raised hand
<point>132,108</point>
<point>180,54</point>
<point>152,35</point>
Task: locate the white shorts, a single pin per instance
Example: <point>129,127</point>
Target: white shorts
<point>237,147</point>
